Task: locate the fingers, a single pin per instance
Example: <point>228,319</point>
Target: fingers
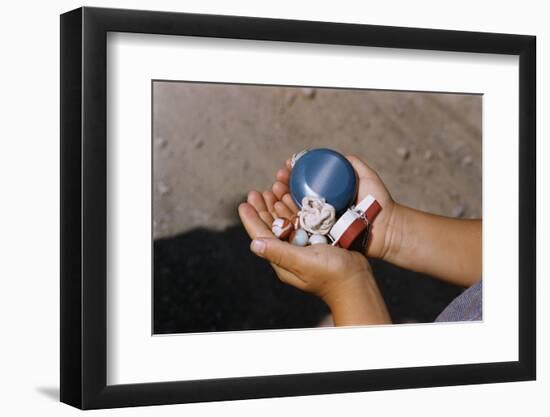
<point>283,211</point>
<point>256,200</point>
<point>363,170</point>
<point>287,199</point>
<point>283,175</point>
<point>279,189</point>
<point>282,254</point>
<point>270,200</point>
<point>255,226</point>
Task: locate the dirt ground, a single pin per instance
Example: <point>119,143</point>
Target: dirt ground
<point>212,143</point>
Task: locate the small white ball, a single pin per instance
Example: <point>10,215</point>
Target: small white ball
<point>299,237</point>
<point>317,239</point>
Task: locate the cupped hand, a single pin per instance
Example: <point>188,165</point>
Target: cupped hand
<point>369,183</point>
<point>342,278</point>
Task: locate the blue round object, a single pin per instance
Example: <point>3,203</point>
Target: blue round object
<point>324,173</point>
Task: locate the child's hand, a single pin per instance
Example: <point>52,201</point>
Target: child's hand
<point>280,203</point>
<point>442,247</point>
<point>342,278</point>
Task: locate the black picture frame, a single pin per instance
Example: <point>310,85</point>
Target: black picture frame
<point>84,207</point>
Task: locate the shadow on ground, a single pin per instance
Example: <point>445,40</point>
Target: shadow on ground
<point>209,281</point>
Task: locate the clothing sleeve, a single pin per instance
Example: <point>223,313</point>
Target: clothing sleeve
<point>466,307</point>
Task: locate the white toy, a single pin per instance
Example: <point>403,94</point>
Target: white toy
<point>318,239</point>
<point>299,237</point>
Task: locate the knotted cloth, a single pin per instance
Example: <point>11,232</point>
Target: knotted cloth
<point>316,216</point>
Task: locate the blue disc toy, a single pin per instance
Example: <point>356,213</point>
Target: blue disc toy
<point>324,173</point>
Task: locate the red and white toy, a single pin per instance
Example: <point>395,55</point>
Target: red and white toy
<point>354,222</point>
<point>282,228</point>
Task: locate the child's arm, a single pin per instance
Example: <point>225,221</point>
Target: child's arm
<point>448,248</point>
<point>443,247</point>
<point>342,278</point>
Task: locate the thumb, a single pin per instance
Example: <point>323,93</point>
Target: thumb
<point>280,253</point>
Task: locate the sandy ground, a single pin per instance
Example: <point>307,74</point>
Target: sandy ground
<point>212,143</point>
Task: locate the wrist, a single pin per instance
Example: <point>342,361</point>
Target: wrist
<point>394,233</point>
<point>343,288</point>
<point>357,301</point>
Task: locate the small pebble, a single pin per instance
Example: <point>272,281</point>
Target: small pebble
<point>428,155</point>
<point>467,160</point>
<point>163,188</point>
<point>199,144</point>
<point>458,211</point>
<point>282,228</point>
<point>299,237</point>
<point>160,143</point>
<point>403,152</point>
<point>290,99</point>
<point>309,92</point>
<point>317,239</point>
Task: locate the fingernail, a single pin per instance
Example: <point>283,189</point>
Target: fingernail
<point>257,246</point>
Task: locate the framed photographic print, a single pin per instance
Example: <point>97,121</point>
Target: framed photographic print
<point>258,207</point>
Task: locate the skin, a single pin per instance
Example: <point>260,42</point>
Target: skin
<point>342,278</point>
<point>446,248</point>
